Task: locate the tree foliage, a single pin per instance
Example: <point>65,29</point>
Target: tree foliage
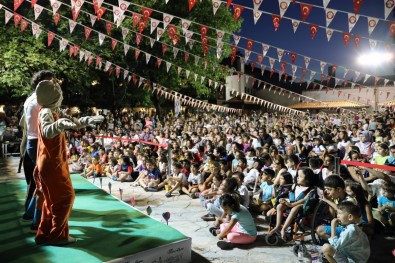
<point>23,54</point>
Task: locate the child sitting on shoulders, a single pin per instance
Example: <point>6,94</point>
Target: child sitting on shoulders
<point>351,244</point>
<point>240,229</point>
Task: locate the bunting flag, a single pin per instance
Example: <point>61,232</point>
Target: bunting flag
<point>37,11</point>
<point>236,39</point>
<point>135,19</point>
<point>51,37</point>
<point>117,13</point>
<point>250,43</point>
<point>114,43</point>
<point>17,4</point>
<point>295,25</point>
<point>392,28</point>
<point>101,38</point>
<point>159,33</point>
<point>265,49</point>
<point>216,5</point>
<point>388,6</point>
<point>55,6</point>
<point>100,12</point>
<point>330,15</point>
<point>372,43</point>
<point>352,20</point>
<point>313,30</point>
<point>191,4</point>
<point>322,66</point>
<point>280,53</point>
<point>24,24</point>
<point>72,25</point>
<point>276,21</point>
<point>257,15</point>
<point>138,38</point>
<point>228,2</point>
<point>77,4</point>
<point>237,9</point>
<point>125,48</point>
<point>63,43</point>
<point>220,34</point>
<point>329,33</point>
<point>357,40</point>
<point>123,6</point>
<point>185,25</point>
<point>283,5</point>
<point>307,61</point>
<point>75,14</point>
<point>36,30</point>
<point>108,27</point>
<point>305,9</point>
<point>203,31</point>
<point>172,29</point>
<point>32,3</point>
<point>154,24</point>
<point>257,4</point>
<point>125,32</point>
<point>346,38</point>
<point>92,18</point>
<point>293,57</point>
<point>146,12</point>
<point>372,23</point>
<point>357,5</point>
<point>166,20</point>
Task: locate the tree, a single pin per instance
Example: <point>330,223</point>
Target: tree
<point>24,55</point>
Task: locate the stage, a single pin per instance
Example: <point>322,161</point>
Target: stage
<point>107,230</point>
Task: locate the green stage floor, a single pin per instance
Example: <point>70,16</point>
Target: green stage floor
<point>106,228</point>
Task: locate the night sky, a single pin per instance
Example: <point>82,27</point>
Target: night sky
<point>333,52</point>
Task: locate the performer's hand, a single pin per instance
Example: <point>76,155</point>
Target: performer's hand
<point>65,124</point>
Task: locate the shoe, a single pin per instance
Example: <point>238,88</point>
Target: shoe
<point>168,194</point>
<point>213,230</point>
<point>68,241</point>
<point>208,217</point>
<point>225,245</point>
<point>33,228</point>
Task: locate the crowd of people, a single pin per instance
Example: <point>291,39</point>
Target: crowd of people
<point>237,165</point>
<point>260,163</point>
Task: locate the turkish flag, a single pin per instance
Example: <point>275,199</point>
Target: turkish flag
<point>108,27</point>
<point>114,43</point>
<point>250,43</point>
<point>164,48</point>
<point>276,21</point>
<point>392,28</point>
<point>87,32</point>
<point>146,13</point>
<point>293,57</point>
<point>17,4</point>
<point>306,9</point>
<point>100,12</point>
<point>191,4</point>
<point>237,11</point>
<point>172,30</point>
<point>203,31</point>
<point>313,30</point>
<point>357,39</point>
<point>346,38</point>
<point>56,18</point>
<point>51,36</point>
<point>357,5</point>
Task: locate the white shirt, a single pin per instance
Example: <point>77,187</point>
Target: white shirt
<point>31,110</point>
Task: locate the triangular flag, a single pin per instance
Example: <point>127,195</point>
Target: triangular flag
<point>154,23</point>
<point>101,38</point>
<point>63,43</point>
<point>330,15</point>
<point>167,19</point>
<point>100,12</point>
<point>93,19</point>
<point>116,12</point>
<point>123,6</point>
<point>191,4</point>
<point>280,53</point>
<point>322,65</point>
<point>346,38</point>
<point>392,28</point>
<point>329,33</point>
<point>357,73</point>
<point>306,9</point>
<point>265,49</point>
<point>8,15</point>
<point>276,21</point>
<point>366,77</point>
<point>159,33</point>
<point>388,6</point>
<point>313,30</point>
<point>237,11</point>
<point>372,43</point>
<point>352,20</point>
<point>185,24</point>
<point>77,4</point>
<point>283,5</point>
<point>216,5</point>
<point>72,25</point>
<point>37,11</point>
<point>114,43</point>
<point>295,25</point>
<point>17,19</point>
<point>175,52</point>
<point>75,14</point>
<point>146,13</point>
<point>357,5</point>
<point>51,37</point>
<point>168,65</point>
<point>17,4</point>
<point>152,42</point>
<point>36,30</point>
<point>137,54</point>
<point>257,15</point>
<point>236,39</point>
<point>188,36</point>
<point>24,24</point>
<point>125,33</point>
<point>357,40</point>
<point>307,61</point>
<point>55,6</point>
<point>87,31</point>
<point>125,48</point>
<point>372,23</point>
<point>345,72</point>
<point>325,3</point>
<point>257,4</point>
<point>147,57</point>
<point>228,2</point>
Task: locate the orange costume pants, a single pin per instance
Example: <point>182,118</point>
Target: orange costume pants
<point>55,184</point>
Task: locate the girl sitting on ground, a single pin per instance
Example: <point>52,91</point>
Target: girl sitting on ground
<point>124,173</point>
<point>240,229</point>
<point>112,168</point>
<point>299,193</point>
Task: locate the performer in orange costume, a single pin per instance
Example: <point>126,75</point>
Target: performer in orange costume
<point>52,168</point>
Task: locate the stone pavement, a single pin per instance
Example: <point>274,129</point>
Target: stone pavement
<point>185,217</point>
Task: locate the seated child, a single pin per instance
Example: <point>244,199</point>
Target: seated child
<point>282,191</point>
<point>243,191</point>
<point>95,170</point>
<point>152,176</point>
<point>194,179</point>
<point>125,169</point>
<point>350,244</point>
<point>299,193</point>
<point>112,168</point>
<point>240,229</point>
<point>174,181</point>
<point>82,162</point>
<point>386,205</point>
<point>265,192</point>
<point>209,195</point>
<point>74,156</point>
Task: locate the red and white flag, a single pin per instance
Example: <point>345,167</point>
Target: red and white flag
<point>154,24</point>
<point>123,6</point>
<point>276,21</point>
<point>372,23</point>
<point>237,9</point>
<point>55,5</point>
<point>63,43</point>
<point>72,25</point>
<point>77,4</point>
<point>185,24</point>
<point>51,37</point>
<point>357,5</point>
<point>101,38</point>
<point>159,33</point>
<point>305,9</point>
<point>36,30</point>
<point>17,4</point>
<point>313,30</point>
<point>17,19</point>
<point>125,32</point>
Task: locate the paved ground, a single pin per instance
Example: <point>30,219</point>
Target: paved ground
<point>185,216</point>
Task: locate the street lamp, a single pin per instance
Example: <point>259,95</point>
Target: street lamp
<point>375,59</point>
